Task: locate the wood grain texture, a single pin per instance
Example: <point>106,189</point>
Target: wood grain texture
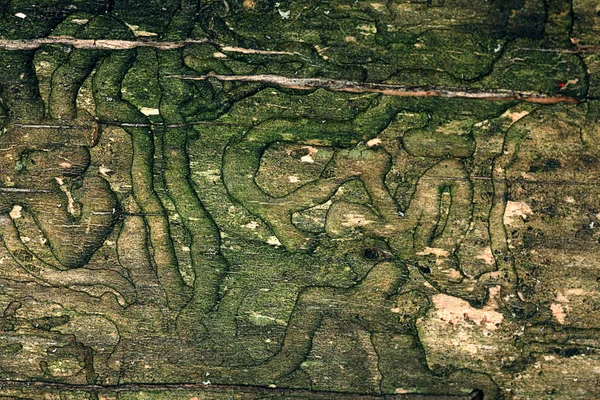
<point>316,199</point>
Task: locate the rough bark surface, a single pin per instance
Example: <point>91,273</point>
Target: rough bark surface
<point>244,199</point>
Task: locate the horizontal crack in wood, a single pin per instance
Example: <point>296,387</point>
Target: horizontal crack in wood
<point>586,49</point>
<point>244,50</point>
<point>93,44</point>
<point>48,126</point>
<point>388,89</point>
<point>107,44</point>
<point>239,389</point>
<point>22,190</point>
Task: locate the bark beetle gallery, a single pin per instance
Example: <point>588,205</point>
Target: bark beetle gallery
<point>299,199</point>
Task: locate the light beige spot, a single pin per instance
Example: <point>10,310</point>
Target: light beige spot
<point>515,115</point>
<point>104,171</point>
<point>251,225</point>
<point>311,150</point>
<point>149,111</point>
<point>514,210</point>
<point>355,220</point>
<point>452,273</point>
<point>570,82</point>
<point>138,33</point>
<point>456,311</point>
<point>486,256</point>
<point>558,311</point>
<point>273,241</point>
<point>373,142</point>
<point>560,297</point>
<point>15,213</point>
<point>435,251</point>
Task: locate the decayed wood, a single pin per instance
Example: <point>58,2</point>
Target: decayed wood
<point>299,200</point>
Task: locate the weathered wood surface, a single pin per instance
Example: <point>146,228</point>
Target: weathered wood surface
<point>299,199</point>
